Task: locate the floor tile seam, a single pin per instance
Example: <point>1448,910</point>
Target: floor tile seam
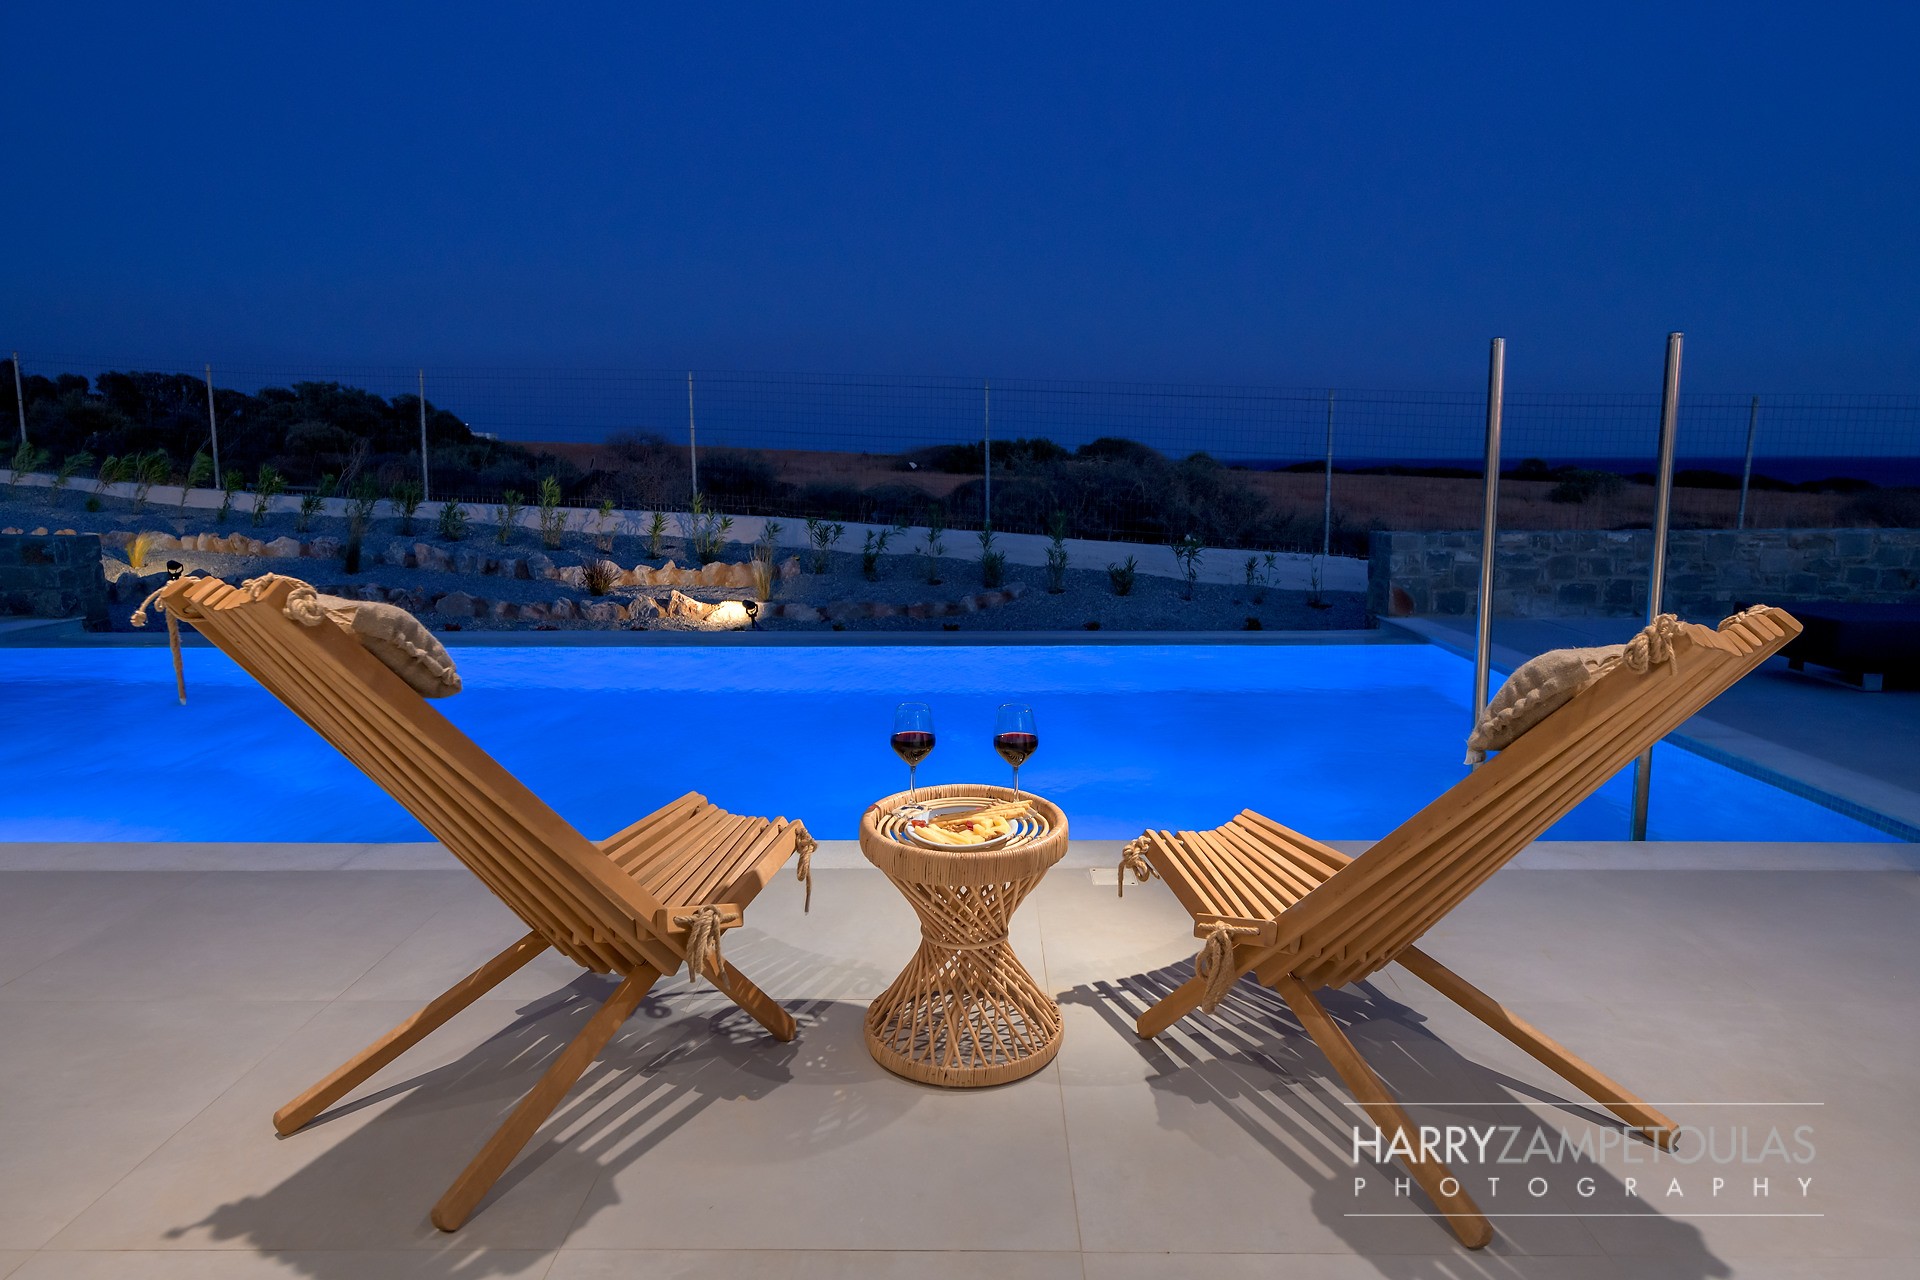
<point>195,877</point>
<point>1060,1093</point>
<point>398,943</point>
<point>247,1069</point>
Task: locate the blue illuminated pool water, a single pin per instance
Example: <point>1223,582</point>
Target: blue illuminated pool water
<point>1343,741</point>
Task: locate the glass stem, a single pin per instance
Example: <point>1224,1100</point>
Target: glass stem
<point>911,770</point>
<point>1016,782</point>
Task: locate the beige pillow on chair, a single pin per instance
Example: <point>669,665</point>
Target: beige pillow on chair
<point>401,641</point>
<point>1538,689</point>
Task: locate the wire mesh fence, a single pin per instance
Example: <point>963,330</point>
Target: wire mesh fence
<point>1277,468</point>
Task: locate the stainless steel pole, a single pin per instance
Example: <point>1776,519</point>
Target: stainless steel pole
<point>693,444</point>
<point>426,488</point>
<point>986,442</point>
<point>1489,526</point>
<point>1326,519</point>
<point>213,429</point>
<point>1746,472</point>
<point>19,398</point>
<point>1657,582</point>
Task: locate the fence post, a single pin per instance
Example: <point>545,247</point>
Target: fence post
<point>213,428</point>
<point>19,398</point>
<point>986,443</point>
<point>426,489</point>
<point>1489,526</point>
<point>1656,586</point>
<point>1326,521</point>
<point>693,445</point>
<point>1746,472</point>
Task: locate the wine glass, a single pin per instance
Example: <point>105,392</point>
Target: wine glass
<point>912,736</point>
<point>1015,738</point>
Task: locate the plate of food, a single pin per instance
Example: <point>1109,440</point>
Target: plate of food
<point>965,825</point>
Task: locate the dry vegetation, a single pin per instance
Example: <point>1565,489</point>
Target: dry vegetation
<point>1226,506</point>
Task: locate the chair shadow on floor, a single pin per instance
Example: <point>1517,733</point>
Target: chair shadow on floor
<point>1254,1061</point>
<point>685,1050</point>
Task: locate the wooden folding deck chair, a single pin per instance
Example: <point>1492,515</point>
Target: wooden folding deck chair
<point>639,903</point>
<point>1300,916</point>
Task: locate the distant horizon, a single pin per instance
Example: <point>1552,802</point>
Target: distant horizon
<point>1800,437</point>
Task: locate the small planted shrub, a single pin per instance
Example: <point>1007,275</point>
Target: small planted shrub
<point>267,486</point>
<point>603,524</point>
<point>26,458</point>
<point>760,569</point>
<point>507,514</point>
<point>599,576</point>
<point>704,531</point>
<point>1091,624</point>
<point>235,482</point>
<point>72,466</point>
<point>452,523</point>
<point>553,521</point>
<point>656,534</point>
<point>871,550</point>
<point>1314,597</point>
<point>1187,552</point>
<point>112,471</point>
<point>149,469</point>
<point>821,535</point>
<point>1057,553</point>
<point>1253,624</point>
<point>993,564</point>
<point>1120,576</point>
<point>310,503</point>
<point>761,573</point>
<point>140,547</point>
<point>199,475</point>
<point>362,503</point>
<point>1260,575</point>
<point>406,497</point>
<point>935,545</point>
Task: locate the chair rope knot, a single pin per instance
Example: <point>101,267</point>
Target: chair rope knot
<point>1214,964</point>
<point>703,941</point>
<point>804,844</point>
<point>1133,858</point>
<point>303,602</point>
<point>1653,645</point>
<point>139,619</point>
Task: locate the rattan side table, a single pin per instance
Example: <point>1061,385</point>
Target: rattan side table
<point>964,1012</point>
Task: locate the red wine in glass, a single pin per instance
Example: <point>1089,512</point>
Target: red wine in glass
<point>1015,737</point>
<point>912,737</point>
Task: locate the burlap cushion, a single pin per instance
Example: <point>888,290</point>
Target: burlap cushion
<point>1534,692</point>
<point>399,640</point>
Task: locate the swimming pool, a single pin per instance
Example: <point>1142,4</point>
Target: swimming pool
<point>1343,741</point>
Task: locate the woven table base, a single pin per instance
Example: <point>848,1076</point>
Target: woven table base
<point>964,1012</point>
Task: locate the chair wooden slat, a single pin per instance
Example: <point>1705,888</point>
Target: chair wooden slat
<point>601,905</point>
<point>1324,920</point>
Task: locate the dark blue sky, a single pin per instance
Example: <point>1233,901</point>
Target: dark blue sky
<point>1284,194</point>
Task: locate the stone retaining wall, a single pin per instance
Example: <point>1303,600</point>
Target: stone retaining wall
<point>1565,573</point>
<point>49,576</point>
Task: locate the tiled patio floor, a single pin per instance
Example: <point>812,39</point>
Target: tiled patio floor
<point>150,1023</point>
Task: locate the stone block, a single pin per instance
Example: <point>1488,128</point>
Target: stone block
<point>1577,595</point>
